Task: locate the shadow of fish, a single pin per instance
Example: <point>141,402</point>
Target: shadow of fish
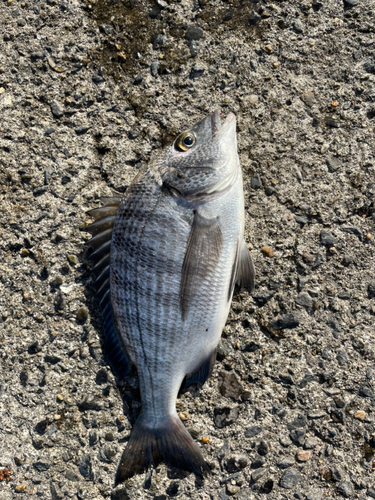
<point>167,256</point>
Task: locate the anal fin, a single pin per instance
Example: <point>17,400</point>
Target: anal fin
<point>200,376</point>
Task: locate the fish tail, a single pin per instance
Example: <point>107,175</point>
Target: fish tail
<point>150,444</point>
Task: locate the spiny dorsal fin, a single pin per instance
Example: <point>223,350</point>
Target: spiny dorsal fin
<point>101,231</point>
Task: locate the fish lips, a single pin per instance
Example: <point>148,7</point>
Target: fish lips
<point>216,124</point>
<point>212,125</point>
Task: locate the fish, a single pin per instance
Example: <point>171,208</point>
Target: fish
<point>167,255</point>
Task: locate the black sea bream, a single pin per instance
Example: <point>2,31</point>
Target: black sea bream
<point>168,255</point>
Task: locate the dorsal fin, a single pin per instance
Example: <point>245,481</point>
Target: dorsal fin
<point>101,231</point>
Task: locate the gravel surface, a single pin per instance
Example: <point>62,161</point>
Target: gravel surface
<point>87,91</point>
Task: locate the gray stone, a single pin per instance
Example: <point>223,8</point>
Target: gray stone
<point>257,474</point>
<point>49,131</point>
<point>56,493</point>
<point>237,462</point>
<point>369,66</point>
<point>319,260</point>
<point>298,436</point>
<point>194,33</point>
<point>42,465</point>
<point>342,357</point>
<point>263,448</point>
<point>256,181</point>
<point>286,463</point>
<point>350,3</point>
<point>352,230</point>
<point>337,473</point>
<point>196,71</point>
<point>71,475</point>
<point>159,41</point>
<point>254,18</point>
<point>371,291</point>
<point>327,238</point>
<point>365,391</point>
<point>298,422</point>
<point>154,68</point>
<point>194,47</point>
<point>230,386</point>
<point>316,414</point>
<point>290,479</point>
<point>225,416</point>
<point>310,443</point>
<point>371,492</point>
<point>85,467</point>
<point>303,299</point>
<point>333,163</point>
<point>301,220</point>
<point>314,495</point>
<point>57,109</point>
<point>82,129</point>
<point>257,462</point>
<point>120,494</point>
<point>291,320</point>
<point>253,431</point>
<point>298,26</point>
<point>345,488</point>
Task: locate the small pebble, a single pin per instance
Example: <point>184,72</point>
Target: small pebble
<point>57,109</point>
<point>233,489</point>
<point>268,251</point>
<point>289,479</point>
<point>72,259</point>
<point>82,314</point>
<point>368,236</point>
<point>256,181</point>
<point>327,239</point>
<point>360,415</point>
<point>303,455</point>
<point>194,33</point>
<point>205,440</point>
<point>21,488</point>
<point>346,489</point>
<point>298,26</point>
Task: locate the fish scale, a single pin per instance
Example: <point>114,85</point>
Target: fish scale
<point>176,251</point>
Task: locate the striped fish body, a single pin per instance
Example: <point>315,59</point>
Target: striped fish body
<point>149,243</point>
<point>177,250</point>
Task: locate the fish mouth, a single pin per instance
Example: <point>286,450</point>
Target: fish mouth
<point>216,123</point>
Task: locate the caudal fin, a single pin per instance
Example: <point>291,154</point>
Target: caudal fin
<point>170,443</point>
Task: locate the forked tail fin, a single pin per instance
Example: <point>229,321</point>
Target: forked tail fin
<point>150,445</point>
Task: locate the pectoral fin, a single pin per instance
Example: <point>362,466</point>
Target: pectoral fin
<point>245,268</point>
<point>202,255</point>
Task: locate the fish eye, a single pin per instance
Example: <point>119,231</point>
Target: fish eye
<point>185,141</point>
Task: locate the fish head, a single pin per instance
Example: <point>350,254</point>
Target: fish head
<point>203,161</point>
